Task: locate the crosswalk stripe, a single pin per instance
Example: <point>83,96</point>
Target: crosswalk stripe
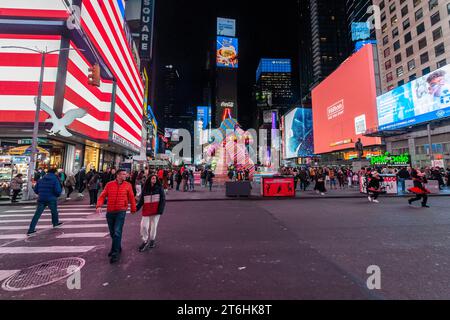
<point>17,215</point>
<point>83,235</point>
<point>4,274</point>
<point>49,220</point>
<point>73,226</point>
<point>47,210</point>
<point>52,249</point>
<point>12,236</point>
<point>61,206</point>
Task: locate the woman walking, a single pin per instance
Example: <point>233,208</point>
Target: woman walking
<point>419,189</point>
<point>70,185</point>
<point>152,202</point>
<point>320,182</point>
<point>93,186</point>
<point>374,187</point>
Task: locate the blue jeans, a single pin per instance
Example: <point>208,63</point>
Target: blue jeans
<point>116,221</point>
<point>41,205</point>
<point>402,184</point>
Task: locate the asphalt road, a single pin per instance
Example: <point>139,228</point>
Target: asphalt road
<point>293,249</point>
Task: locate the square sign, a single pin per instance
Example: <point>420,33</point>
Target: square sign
<point>360,31</point>
<point>226,27</point>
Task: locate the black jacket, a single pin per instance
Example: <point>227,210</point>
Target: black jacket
<point>156,190</point>
<point>375,183</point>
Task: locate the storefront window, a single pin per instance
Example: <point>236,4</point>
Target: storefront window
<point>91,158</point>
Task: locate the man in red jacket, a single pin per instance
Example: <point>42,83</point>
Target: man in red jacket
<point>120,195</point>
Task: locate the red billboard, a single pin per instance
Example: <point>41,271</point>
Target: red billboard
<point>278,187</point>
<point>344,105</point>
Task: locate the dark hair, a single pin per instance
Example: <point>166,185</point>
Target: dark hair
<point>53,170</point>
<point>120,170</point>
<point>148,183</point>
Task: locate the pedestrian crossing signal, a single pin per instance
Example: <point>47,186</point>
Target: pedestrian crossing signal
<point>94,75</point>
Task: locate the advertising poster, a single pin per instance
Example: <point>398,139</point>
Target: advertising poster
<point>424,99</point>
<point>226,27</point>
<point>389,184</point>
<point>344,105</point>
<point>227,52</point>
<point>298,133</point>
<point>278,187</point>
<point>204,115</point>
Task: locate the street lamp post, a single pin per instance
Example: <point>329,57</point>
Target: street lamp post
<point>34,141</point>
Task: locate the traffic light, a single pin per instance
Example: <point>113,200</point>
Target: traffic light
<point>94,75</point>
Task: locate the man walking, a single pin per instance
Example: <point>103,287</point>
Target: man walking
<point>48,189</point>
<point>120,195</point>
<point>209,179</point>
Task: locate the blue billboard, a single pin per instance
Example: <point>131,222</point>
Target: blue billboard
<point>227,52</point>
<point>273,66</point>
<point>298,133</point>
<point>422,100</point>
<point>360,31</point>
<point>360,44</point>
<point>204,115</point>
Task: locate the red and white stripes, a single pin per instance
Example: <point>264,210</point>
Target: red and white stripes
<point>103,23</point>
<point>46,9</point>
<point>19,75</point>
<point>78,94</point>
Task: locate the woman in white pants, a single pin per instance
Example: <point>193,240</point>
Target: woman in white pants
<point>152,202</point>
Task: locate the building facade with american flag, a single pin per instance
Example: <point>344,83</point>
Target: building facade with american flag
<point>81,125</point>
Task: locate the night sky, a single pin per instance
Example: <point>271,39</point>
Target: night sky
<point>185,30</point>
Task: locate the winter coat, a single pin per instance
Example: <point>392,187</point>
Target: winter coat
<point>374,184</point>
<point>16,183</point>
<point>70,182</point>
<point>94,182</point>
<point>152,201</point>
<point>119,196</point>
<point>48,188</point>
<point>209,177</point>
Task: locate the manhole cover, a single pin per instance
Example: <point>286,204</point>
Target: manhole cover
<point>43,274</point>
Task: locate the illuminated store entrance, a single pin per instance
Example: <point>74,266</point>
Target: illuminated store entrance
<point>91,157</point>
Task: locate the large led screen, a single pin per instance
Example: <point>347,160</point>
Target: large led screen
<point>424,99</point>
<point>298,133</point>
<point>344,105</point>
<point>227,52</point>
<point>204,115</point>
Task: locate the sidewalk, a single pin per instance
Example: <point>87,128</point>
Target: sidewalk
<point>218,194</point>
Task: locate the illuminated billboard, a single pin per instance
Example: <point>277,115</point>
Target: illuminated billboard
<point>204,115</point>
<point>227,52</point>
<point>226,27</point>
<point>273,66</point>
<point>344,105</point>
<point>298,133</point>
<point>424,99</point>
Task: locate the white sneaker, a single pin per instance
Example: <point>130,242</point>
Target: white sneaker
<point>370,198</point>
<point>322,194</point>
<point>68,199</point>
<point>376,201</point>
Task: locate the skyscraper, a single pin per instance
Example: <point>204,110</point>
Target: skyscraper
<point>227,63</point>
<point>273,88</point>
<point>323,39</point>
